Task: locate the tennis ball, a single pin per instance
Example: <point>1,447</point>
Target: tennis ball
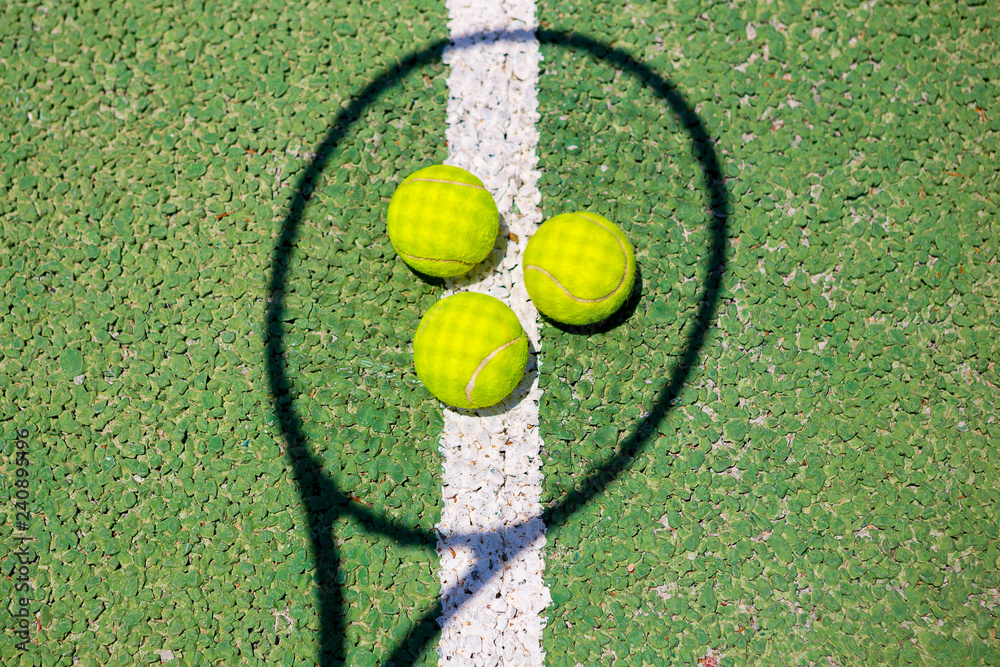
<point>442,221</point>
<point>470,350</point>
<point>578,268</point>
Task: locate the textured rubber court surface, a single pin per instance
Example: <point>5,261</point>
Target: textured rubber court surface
<point>804,392</point>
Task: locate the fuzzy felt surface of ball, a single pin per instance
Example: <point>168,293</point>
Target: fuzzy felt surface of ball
<point>442,220</point>
<point>579,268</point>
<point>470,350</point>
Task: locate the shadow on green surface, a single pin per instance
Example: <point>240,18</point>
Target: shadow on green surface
<point>323,500</point>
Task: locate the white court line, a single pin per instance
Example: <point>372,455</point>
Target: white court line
<point>492,464</point>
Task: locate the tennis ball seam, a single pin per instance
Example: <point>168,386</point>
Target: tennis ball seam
<point>425,321</point>
<point>432,259</point>
<point>570,294</point>
<point>441,180</point>
<point>471,386</point>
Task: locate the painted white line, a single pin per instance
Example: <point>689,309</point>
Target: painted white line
<point>492,536</point>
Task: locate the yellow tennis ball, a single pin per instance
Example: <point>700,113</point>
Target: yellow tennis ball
<point>470,350</point>
<point>579,268</point>
<point>442,221</point>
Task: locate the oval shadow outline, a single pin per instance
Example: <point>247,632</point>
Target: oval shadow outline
<point>307,468</point>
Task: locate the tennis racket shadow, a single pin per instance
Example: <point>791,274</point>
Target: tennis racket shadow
<point>325,502</point>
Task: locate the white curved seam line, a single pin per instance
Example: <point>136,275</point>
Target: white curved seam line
<point>472,381</point>
<point>424,321</point>
<point>620,244</point>
<point>431,259</point>
<point>570,294</point>
<point>441,180</point>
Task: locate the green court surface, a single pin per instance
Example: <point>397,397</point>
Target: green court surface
<point>784,453</point>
